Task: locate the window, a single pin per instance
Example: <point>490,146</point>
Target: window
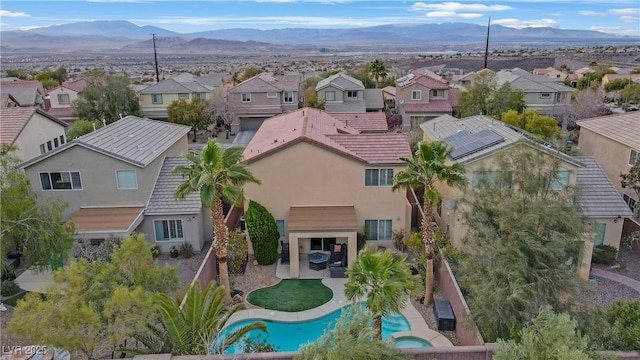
<point>288,96</point>
<point>352,94</point>
<point>201,96</point>
<point>323,244</point>
<point>545,95</point>
<point>63,99</point>
<point>67,180</point>
<point>378,229</point>
<point>246,97</point>
<point>61,139</point>
<point>272,95</point>
<point>631,202</point>
<point>126,179</point>
<point>168,230</point>
<point>330,95</point>
<point>280,225</point>
<point>49,146</point>
<point>156,98</point>
<point>183,96</point>
<point>560,180</point>
<point>485,178</point>
<point>55,142</point>
<point>416,95</point>
<point>437,93</point>
<point>600,230</point>
<point>378,177</point>
<point>633,157</point>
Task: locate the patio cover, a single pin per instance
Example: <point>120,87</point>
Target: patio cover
<point>310,218</point>
<point>117,221</point>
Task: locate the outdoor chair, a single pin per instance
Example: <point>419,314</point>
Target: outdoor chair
<point>338,261</point>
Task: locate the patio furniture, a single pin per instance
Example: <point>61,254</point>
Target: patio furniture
<point>338,261</point>
<point>284,252</point>
<point>317,261</point>
<point>445,317</point>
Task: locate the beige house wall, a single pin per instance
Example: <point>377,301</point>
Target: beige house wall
<point>195,230</point>
<point>305,174</point>
<point>38,130</point>
<point>299,244</point>
<point>146,101</point>
<point>53,97</point>
<point>535,101</point>
<point>340,97</point>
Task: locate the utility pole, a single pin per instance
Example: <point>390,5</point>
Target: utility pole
<point>155,55</point>
<point>486,49</point>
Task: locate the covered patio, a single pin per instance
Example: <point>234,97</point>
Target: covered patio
<point>311,228</point>
<point>106,222</point>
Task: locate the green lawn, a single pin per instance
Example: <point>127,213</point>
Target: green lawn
<point>292,295</point>
<point>13,300</point>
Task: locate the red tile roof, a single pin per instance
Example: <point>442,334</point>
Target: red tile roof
<point>320,128</point>
<point>76,85</point>
<point>62,112</point>
<point>364,122</point>
<point>430,82</point>
<point>12,121</point>
<point>431,106</point>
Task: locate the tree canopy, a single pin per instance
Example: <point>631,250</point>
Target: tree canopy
<point>378,71</point>
<point>530,121</point>
<point>631,93</point>
<point>82,127</point>
<point>106,97</point>
<point>193,113</point>
<point>485,96</point>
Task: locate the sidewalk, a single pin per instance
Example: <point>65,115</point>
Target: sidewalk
<point>621,279</point>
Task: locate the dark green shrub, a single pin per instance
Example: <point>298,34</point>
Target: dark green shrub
<point>237,252</point>
<point>624,317</point>
<point>186,249</point>
<point>604,254</point>
<point>8,288</point>
<point>263,233</point>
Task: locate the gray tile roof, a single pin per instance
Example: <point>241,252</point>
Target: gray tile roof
<point>163,200</point>
<point>373,99</point>
<point>184,83</point>
<point>266,82</point>
<point>345,106</point>
<point>135,140</point>
<point>528,82</point>
<point>598,197</point>
<point>340,81</point>
<point>623,128</point>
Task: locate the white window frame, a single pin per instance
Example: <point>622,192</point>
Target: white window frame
<point>176,230</point>
<point>352,94</point>
<point>63,96</point>
<point>378,177</point>
<point>631,202</point>
<point>74,187</point>
<point>634,156</point>
<point>42,149</point>
<point>330,95</point>
<point>156,99</point>
<point>272,95</point>
<point>416,95</point>
<point>183,96</point>
<point>135,178</point>
<point>381,225</point>
<point>283,234</point>
<point>545,95</point>
<point>246,97</point>
<point>201,96</point>
<point>557,182</point>
<point>600,230</point>
<point>287,97</point>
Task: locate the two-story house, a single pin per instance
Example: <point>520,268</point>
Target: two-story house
<point>478,141</point>
<point>26,93</point>
<point>615,141</point>
<point>343,93</point>
<point>551,73</point>
<point>155,98</point>
<point>61,97</point>
<point>118,179</point>
<point>540,93</point>
<point>324,181</point>
<point>261,97</point>
<point>420,98</point>
<point>31,130</point>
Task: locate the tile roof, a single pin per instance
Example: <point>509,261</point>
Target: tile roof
<point>321,128</point>
<point>25,92</point>
<point>305,218</point>
<point>135,140</point>
<point>373,99</point>
<point>353,106</point>
<point>14,119</point>
<point>163,200</point>
<point>431,106</point>
<point>8,99</point>
<point>598,198</point>
<point>623,128</point>
<point>340,81</point>
<point>266,82</point>
<point>61,112</point>
<point>76,85</point>
<point>528,82</point>
<point>364,122</point>
<point>391,90</point>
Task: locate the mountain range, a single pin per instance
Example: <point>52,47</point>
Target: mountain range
<point>127,37</point>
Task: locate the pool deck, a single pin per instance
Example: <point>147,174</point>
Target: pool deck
<point>419,327</point>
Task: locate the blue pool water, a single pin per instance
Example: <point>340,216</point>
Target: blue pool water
<point>288,336</point>
<point>411,342</point>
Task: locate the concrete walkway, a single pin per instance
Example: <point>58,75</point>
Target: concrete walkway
<point>33,281</point>
<point>621,279</point>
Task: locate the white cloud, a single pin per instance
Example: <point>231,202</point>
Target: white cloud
<point>455,7</point>
<point>590,13</point>
<point>452,15</point>
<point>628,15</point>
<point>519,24</point>
<point>11,14</point>
<point>302,21</point>
<point>617,30</point>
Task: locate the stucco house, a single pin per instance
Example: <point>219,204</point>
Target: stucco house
<point>61,97</point>
<point>421,98</point>
<point>614,140</point>
<point>27,93</point>
<point>31,130</point>
<point>551,73</point>
<point>478,141</point>
<point>540,93</point>
<point>118,179</point>
<point>324,181</point>
<point>261,97</point>
<point>155,98</point>
<point>343,93</point>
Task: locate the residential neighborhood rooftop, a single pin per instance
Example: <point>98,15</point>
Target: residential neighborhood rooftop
<point>163,200</point>
<point>14,119</point>
<point>341,81</point>
<point>598,197</point>
<point>25,92</point>
<point>528,82</point>
<point>363,122</point>
<point>623,128</point>
<point>266,82</point>
<point>322,218</point>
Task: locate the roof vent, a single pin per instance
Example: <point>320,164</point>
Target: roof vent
<point>275,141</point>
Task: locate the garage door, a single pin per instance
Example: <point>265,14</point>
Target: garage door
<point>250,124</point>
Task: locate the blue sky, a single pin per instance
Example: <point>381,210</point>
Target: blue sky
<point>618,16</point>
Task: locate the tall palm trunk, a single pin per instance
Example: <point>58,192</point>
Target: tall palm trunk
<point>377,325</point>
<point>429,251</point>
<point>220,240</point>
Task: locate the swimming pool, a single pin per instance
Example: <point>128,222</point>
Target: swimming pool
<point>288,336</point>
<point>411,342</point>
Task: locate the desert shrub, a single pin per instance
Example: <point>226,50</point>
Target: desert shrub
<point>8,288</point>
<point>186,249</point>
<point>624,318</point>
<point>92,253</point>
<point>263,232</point>
<point>237,251</point>
<point>604,254</point>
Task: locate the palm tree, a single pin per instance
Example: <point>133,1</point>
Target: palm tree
<point>194,328</point>
<point>383,279</point>
<point>430,166</point>
<point>216,174</point>
<point>378,70</point>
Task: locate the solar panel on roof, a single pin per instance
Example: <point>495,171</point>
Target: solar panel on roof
<point>475,142</point>
<point>460,134</point>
